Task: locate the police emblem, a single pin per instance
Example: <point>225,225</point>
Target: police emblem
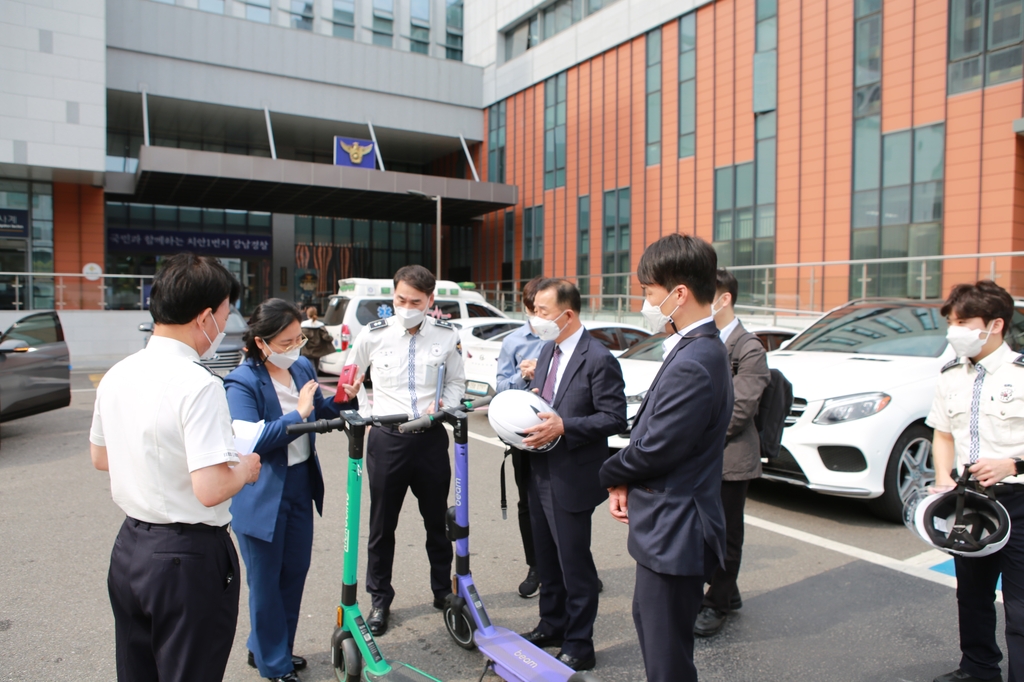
<point>1006,395</point>
<point>435,350</point>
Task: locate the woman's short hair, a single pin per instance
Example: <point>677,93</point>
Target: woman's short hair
<point>268,320</point>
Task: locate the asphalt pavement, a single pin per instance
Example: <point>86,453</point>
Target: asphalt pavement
<point>829,592</point>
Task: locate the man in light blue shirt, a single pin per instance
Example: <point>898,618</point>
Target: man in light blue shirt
<point>516,363</point>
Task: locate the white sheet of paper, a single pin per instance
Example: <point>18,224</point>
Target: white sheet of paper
<point>247,434</point>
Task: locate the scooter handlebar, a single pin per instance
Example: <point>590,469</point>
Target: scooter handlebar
<point>319,426</point>
<point>389,419</point>
<point>423,422</point>
<point>479,402</point>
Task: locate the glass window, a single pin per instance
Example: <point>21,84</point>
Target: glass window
<point>966,75</point>
<point>766,171</point>
<point>896,159</point>
<point>765,125</point>
<point>35,330</point>
<point>1003,66</point>
<point>866,7</point>
<point>929,152</point>
<point>554,131</point>
<point>687,86</point>
<point>1004,24</point>
<point>866,143</point>
<point>254,12</point>
<point>745,185</point>
<point>867,101</point>
<point>966,28</point>
<point>865,209</point>
<point>868,59</point>
<point>765,81</point>
<point>896,205</point>
<point>453,13</point>
<point>302,15</point>
<point>723,188</point>
<point>653,78</point>
<point>766,9</point>
<point>927,202</point>
<point>213,6</point>
<point>419,10</point>
<point>767,32</point>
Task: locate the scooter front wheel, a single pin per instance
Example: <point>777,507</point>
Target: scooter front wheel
<point>345,657</point>
<point>460,625</point>
<point>583,676</point>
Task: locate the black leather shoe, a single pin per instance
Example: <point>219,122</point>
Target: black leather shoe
<point>290,677</point>
<point>709,622</point>
<point>600,588</point>
<point>377,621</point>
<point>441,601</point>
<point>736,603</point>
<point>960,676</point>
<point>298,662</point>
<point>577,663</point>
<point>530,587</point>
<point>542,639</point>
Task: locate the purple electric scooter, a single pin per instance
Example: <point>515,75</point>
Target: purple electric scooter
<point>510,656</point>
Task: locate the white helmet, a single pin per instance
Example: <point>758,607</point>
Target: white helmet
<point>513,411</point>
<point>961,522</point>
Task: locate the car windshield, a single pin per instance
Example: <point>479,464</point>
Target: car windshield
<point>648,349</point>
<point>236,323</point>
<point>877,328</point>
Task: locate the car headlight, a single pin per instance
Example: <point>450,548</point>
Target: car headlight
<point>851,407</point>
<point>636,399</point>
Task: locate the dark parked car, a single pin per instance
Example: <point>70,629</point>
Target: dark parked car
<point>35,370</point>
<point>229,354</point>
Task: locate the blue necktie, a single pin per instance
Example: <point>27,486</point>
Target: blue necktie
<point>412,376</point>
<point>975,409</point>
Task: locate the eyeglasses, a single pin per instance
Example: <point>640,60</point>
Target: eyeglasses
<point>298,344</point>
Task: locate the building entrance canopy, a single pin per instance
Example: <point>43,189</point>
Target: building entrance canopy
<point>186,177</point>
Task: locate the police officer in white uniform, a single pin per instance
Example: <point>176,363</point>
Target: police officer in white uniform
<point>161,427</point>
<point>406,352</point>
<point>978,417</point>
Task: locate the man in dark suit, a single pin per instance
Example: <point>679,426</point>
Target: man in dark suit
<point>581,380</point>
<point>666,484</point>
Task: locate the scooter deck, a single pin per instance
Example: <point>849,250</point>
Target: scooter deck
<point>516,659</point>
<point>400,672</point>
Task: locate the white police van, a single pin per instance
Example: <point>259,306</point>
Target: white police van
<point>360,301</point>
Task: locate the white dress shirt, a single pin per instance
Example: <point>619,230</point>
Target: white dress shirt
<point>727,331</point>
<point>567,347</point>
<point>161,415</point>
<point>404,366</point>
<point>288,396</point>
<point>997,410</point>
<point>669,343</point>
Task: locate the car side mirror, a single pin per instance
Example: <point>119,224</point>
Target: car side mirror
<point>146,327</point>
<point>14,346</point>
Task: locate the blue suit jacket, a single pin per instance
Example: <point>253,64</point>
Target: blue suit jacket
<point>591,401</point>
<point>251,397</point>
<point>673,463</point>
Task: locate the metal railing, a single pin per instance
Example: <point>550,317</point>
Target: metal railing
<point>789,290</point>
<point>73,291</point>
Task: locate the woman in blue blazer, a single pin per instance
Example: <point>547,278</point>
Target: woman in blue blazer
<point>273,519</point>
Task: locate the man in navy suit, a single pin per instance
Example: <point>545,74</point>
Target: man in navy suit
<point>581,380</point>
<point>666,484</point>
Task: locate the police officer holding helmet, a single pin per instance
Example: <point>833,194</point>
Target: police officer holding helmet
<point>978,418</point>
<point>406,352</point>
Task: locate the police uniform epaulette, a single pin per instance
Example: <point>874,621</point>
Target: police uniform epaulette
<point>444,324</point>
<point>378,324</point>
<point>1019,360</point>
<point>950,365</point>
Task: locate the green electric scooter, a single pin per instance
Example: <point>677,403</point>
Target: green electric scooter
<point>354,653</point>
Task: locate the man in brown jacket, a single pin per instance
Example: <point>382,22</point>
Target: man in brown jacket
<point>742,463</point>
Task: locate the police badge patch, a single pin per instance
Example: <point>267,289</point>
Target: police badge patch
<point>1006,394</point>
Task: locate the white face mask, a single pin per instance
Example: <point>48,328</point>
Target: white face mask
<point>654,318</point>
<point>546,330</point>
<point>966,342</point>
<point>410,317</point>
<point>720,308</point>
<point>211,352</point>
<point>283,360</point>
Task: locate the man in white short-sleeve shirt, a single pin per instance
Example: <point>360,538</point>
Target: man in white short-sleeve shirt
<point>161,427</point>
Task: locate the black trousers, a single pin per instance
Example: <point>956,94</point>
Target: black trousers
<point>396,462</point>
<point>174,593</point>
<point>521,467</point>
<point>975,596</point>
<point>723,588</point>
<point>665,609</point>
<point>565,566</point>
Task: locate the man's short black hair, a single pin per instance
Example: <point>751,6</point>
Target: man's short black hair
<point>984,299</point>
<point>268,320</point>
<point>725,283</point>
<point>186,285</point>
<point>418,277</point>
<point>566,294</point>
<point>680,259</point>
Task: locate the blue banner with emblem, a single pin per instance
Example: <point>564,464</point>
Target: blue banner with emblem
<point>205,244</point>
<point>13,222</point>
<point>349,151</point>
